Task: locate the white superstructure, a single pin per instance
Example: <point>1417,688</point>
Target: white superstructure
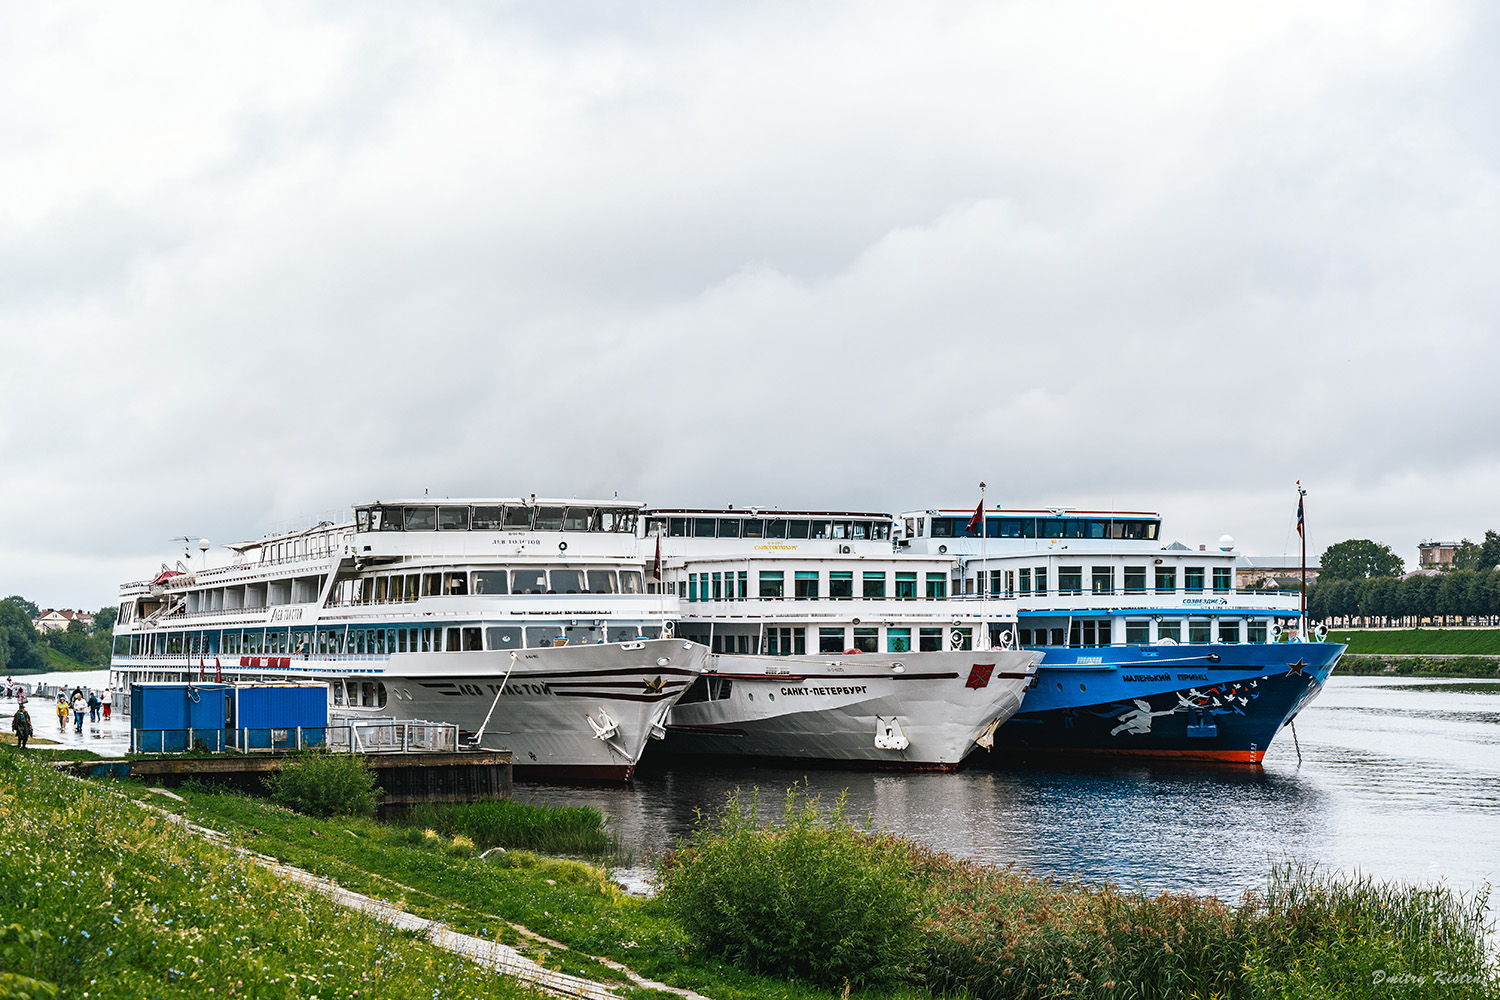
<point>826,642</point>
<point>527,622</point>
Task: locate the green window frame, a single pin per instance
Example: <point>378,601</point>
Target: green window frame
<point>906,586</point>
<point>1223,579</point>
<point>898,640</point>
<point>806,585</point>
<point>1166,579</point>
<point>772,584</point>
<point>937,586</point>
<point>840,585</point>
<point>874,586</point>
<point>1192,579</point>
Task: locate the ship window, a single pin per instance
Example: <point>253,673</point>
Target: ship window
<point>453,519</point>
<point>518,517</point>
<point>1070,579</point>
<point>678,528</point>
<point>1170,629</point>
<point>427,646</point>
<point>385,518</point>
<point>705,527</point>
<point>432,584</point>
<point>776,527</point>
<point>929,640</point>
<point>840,585</point>
<point>362,519</point>
<point>1135,579</point>
<point>693,586</point>
<point>943,527</point>
<point>874,585</point>
<point>1050,527</point>
<point>567,581</point>
<point>1103,578</point>
<point>1255,631</point>
<point>455,584</point>
<point>867,640</point>
<point>421,518</point>
<point>806,584</point>
<point>550,518</point>
<point>472,639</point>
<point>937,586</point>
<point>412,583</point>
<point>1229,631</point>
<point>1223,577</point>
<point>656,527</point>
<point>1025,575</point>
<point>543,635</point>
<point>906,586</point>
<point>1199,632</point>
<point>601,581</point>
<point>381,585</point>
<point>1192,579</point>
<point>753,527</point>
<point>581,519</point>
<point>1166,579</point>
<point>619,519</point>
<point>842,531</point>
<point>488,519</point>
<point>819,529</point>
<point>729,527</point>
<point>772,584</point>
<point>528,581</point>
<point>830,640</point>
<point>898,640</point>
<point>490,581</point>
<point>630,582</point>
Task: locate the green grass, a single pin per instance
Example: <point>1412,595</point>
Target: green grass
<point>118,902</point>
<point>1473,687</point>
<point>56,660</point>
<point>1419,641</point>
<point>577,830</point>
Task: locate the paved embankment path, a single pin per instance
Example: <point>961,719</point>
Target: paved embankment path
<point>490,954</point>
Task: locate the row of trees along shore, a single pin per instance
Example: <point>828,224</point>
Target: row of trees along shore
<point>23,648</point>
<point>1360,585</point>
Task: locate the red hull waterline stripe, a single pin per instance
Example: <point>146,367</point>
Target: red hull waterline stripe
<point>1207,756</point>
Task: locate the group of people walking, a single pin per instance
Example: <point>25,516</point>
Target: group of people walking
<point>96,705</point>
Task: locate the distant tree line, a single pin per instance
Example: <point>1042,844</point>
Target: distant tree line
<point>1359,584</point>
<point>21,645</point>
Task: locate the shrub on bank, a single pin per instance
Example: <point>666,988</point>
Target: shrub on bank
<point>873,908</point>
<point>814,898</point>
<point>325,784</point>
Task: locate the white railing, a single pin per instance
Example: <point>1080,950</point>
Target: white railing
<point>369,736</point>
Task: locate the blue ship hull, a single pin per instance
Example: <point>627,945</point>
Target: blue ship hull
<point>1203,702</point>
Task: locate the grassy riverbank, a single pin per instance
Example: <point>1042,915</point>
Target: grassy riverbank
<point>134,906</point>
<point>1420,641</point>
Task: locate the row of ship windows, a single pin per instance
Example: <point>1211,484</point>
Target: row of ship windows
<point>836,640</point>
<point>459,583</point>
<point>807,586</point>
<point>506,517</point>
<point>768,527</point>
<point>1102,580</point>
<point>360,641</point>
<point>1037,527</point>
<point>1139,633</point>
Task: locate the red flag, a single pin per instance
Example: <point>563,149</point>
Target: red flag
<point>218,672</point>
<point>656,563</point>
<point>976,523</point>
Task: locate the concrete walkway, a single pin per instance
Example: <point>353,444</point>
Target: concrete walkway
<point>107,739</point>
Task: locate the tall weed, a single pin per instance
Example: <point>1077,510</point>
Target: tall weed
<point>325,784</point>
<point>511,824</point>
<point>814,897</point>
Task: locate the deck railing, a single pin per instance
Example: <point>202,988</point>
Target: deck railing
<point>368,736</point>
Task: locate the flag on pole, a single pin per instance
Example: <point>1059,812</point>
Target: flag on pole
<point>976,523</point>
<point>656,563</point>
<point>1299,508</point>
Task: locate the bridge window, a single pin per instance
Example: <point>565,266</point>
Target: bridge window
<point>421,518</point>
<point>487,519</point>
<point>796,529</point>
<point>753,527</point>
<point>729,527</point>
<point>677,527</point>
<point>549,518</point>
<point>581,519</point>
<point>518,518</point>
<point>453,519</point>
<point>776,527</point>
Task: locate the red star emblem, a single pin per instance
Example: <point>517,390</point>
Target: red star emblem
<point>979,675</point>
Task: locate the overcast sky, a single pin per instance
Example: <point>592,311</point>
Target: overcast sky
<point>261,261</point>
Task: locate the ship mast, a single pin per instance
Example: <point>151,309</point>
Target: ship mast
<point>1302,533</point>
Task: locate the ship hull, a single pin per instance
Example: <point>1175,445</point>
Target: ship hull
<point>1217,703</point>
<point>855,711</point>
<point>578,713</point>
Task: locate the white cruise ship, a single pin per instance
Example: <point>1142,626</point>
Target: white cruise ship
<point>827,644</point>
<point>526,622</point>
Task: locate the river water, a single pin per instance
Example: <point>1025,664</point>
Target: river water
<point>1399,779</point>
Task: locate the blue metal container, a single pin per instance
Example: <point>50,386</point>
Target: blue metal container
<point>172,718</point>
<point>269,717</point>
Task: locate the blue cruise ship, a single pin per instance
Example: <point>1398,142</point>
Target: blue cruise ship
<point>1149,648</point>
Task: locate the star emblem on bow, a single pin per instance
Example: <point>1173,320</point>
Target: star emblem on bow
<point>654,685</point>
<point>1297,668</point>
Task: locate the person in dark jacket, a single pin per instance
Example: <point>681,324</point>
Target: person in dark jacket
<point>21,726</point>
